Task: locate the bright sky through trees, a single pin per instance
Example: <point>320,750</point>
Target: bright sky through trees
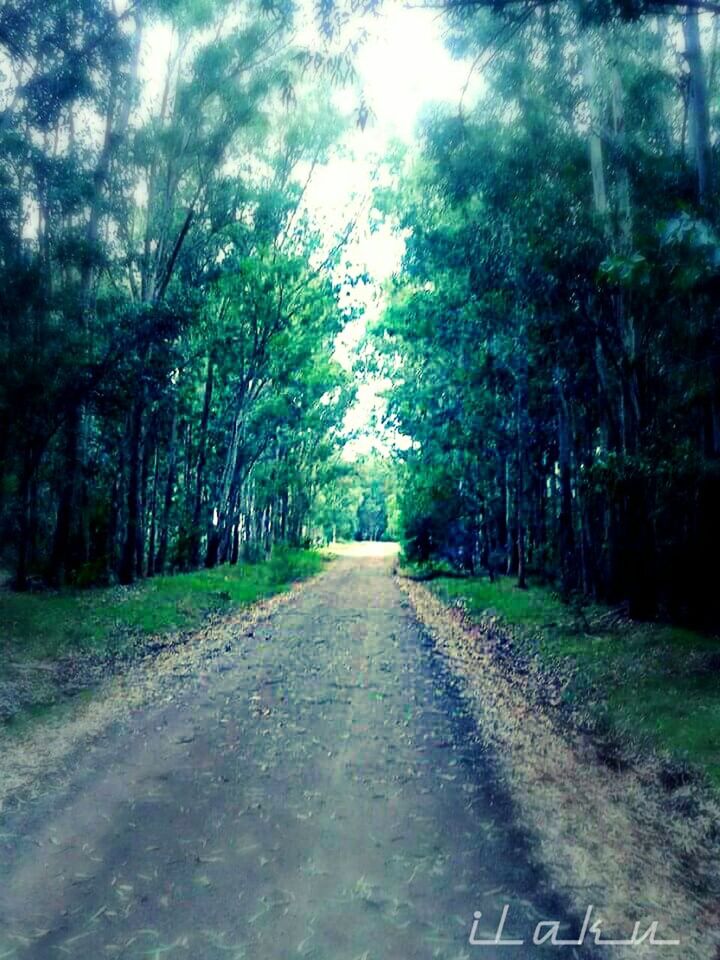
<point>402,67</point>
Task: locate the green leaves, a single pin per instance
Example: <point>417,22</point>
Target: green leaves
<point>169,307</point>
<point>627,271</point>
<point>552,342</point>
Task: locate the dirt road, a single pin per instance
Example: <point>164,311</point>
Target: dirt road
<point>316,792</point>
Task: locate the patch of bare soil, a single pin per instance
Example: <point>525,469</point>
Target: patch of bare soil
<point>614,839</point>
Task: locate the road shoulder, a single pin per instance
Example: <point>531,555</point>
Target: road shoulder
<point>607,837</point>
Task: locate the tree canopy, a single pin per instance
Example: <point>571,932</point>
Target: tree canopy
<point>169,396</point>
<point>553,336</point>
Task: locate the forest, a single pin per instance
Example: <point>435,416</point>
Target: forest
<point>553,337</point>
<point>170,396</point>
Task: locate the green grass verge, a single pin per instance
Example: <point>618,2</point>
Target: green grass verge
<point>48,625</point>
<point>646,683</point>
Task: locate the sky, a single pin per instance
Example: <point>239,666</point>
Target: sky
<point>402,67</point>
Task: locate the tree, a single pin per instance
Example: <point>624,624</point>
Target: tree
<point>169,313</point>
<point>551,339</point>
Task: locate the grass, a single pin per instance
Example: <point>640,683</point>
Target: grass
<point>49,625</point>
<point>644,683</point>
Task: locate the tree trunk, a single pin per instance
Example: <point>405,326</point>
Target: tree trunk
<point>621,166</point>
<point>161,559</point>
<point>510,540</point>
<point>235,553</point>
<point>70,537</point>
<point>699,111</point>
<point>24,546</point>
<point>142,520</point>
<point>133,529</point>
<point>566,540</point>
<point>521,503</point>
<point>64,552</point>
<point>153,513</point>
<point>597,167</point>
<point>196,532</point>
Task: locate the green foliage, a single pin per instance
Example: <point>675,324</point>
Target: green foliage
<point>358,501</point>
<point>168,397</point>
<point>377,510</point>
<point>552,341</point>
